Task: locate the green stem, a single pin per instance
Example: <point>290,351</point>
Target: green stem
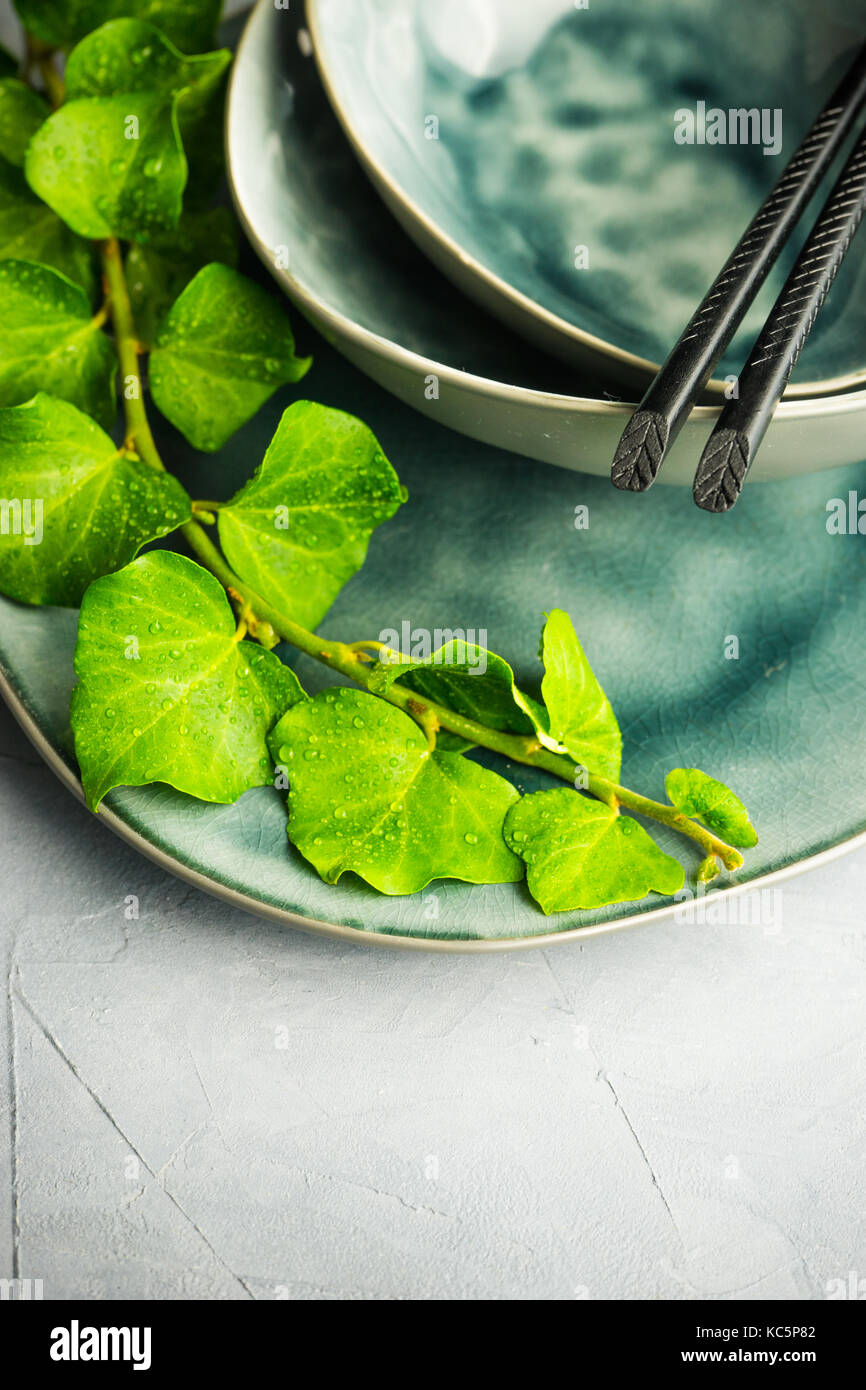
<point>40,56</point>
<point>268,623</point>
<point>51,80</point>
<point>138,432</point>
<point>668,815</point>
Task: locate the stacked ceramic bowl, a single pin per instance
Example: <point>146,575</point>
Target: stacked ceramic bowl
<point>506,213</point>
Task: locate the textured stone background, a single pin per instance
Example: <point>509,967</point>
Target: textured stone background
<point>203,1105</point>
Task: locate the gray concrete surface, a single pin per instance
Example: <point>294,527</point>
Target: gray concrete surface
<point>203,1105</point>
<point>198,1104</point>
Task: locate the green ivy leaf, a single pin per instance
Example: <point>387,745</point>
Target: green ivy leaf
<point>201,117</point>
<point>131,55</point>
<point>102,184</point>
<point>8,64</point>
<point>190,24</point>
<point>302,524</point>
<point>166,692</point>
<point>156,273</point>
<point>22,112</point>
<point>581,718</point>
<point>100,67</point>
<point>111,162</point>
<point>366,796</point>
<point>31,231</point>
<point>581,854</point>
<point>51,342</point>
<point>223,350</point>
<point>74,506</point>
<point>696,794</point>
<point>467,679</point>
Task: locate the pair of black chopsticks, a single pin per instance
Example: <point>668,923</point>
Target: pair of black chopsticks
<point>744,420</point>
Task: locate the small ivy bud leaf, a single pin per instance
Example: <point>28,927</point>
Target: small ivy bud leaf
<point>22,112</point>
<point>581,854</point>
<point>325,469</point>
<point>266,636</point>
<point>581,718</point>
<point>711,802</point>
<point>51,342</point>
<point>709,869</point>
<point>195,708</point>
<point>191,24</point>
<point>90,507</point>
<point>367,796</point>
<point>469,680</point>
<point>29,230</point>
<point>124,80</point>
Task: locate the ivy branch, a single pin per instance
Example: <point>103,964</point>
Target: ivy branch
<point>268,624</point>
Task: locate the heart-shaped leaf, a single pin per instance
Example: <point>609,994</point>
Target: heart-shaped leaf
<point>130,55</point>
<point>101,183</point>
<point>100,67</point>
<point>581,718</point>
<point>301,526</point>
<point>366,795</point>
<point>29,230</point>
<point>111,162</point>
<point>696,794</point>
<point>51,342</point>
<point>465,678</point>
<point>22,112</point>
<point>72,505</point>
<point>190,24</point>
<point>167,692</point>
<point>156,273</point>
<point>222,350</point>
<point>581,854</point>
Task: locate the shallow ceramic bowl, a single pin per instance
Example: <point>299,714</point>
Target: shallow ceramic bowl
<point>530,151</point>
<point>325,235</point>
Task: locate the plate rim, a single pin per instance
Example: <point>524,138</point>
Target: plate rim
<point>635,367</point>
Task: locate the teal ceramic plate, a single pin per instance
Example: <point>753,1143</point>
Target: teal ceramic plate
<point>487,540</point>
<point>531,152</point>
<point>321,230</point>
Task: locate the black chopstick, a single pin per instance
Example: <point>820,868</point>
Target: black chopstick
<point>658,419</point>
<point>744,420</point>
